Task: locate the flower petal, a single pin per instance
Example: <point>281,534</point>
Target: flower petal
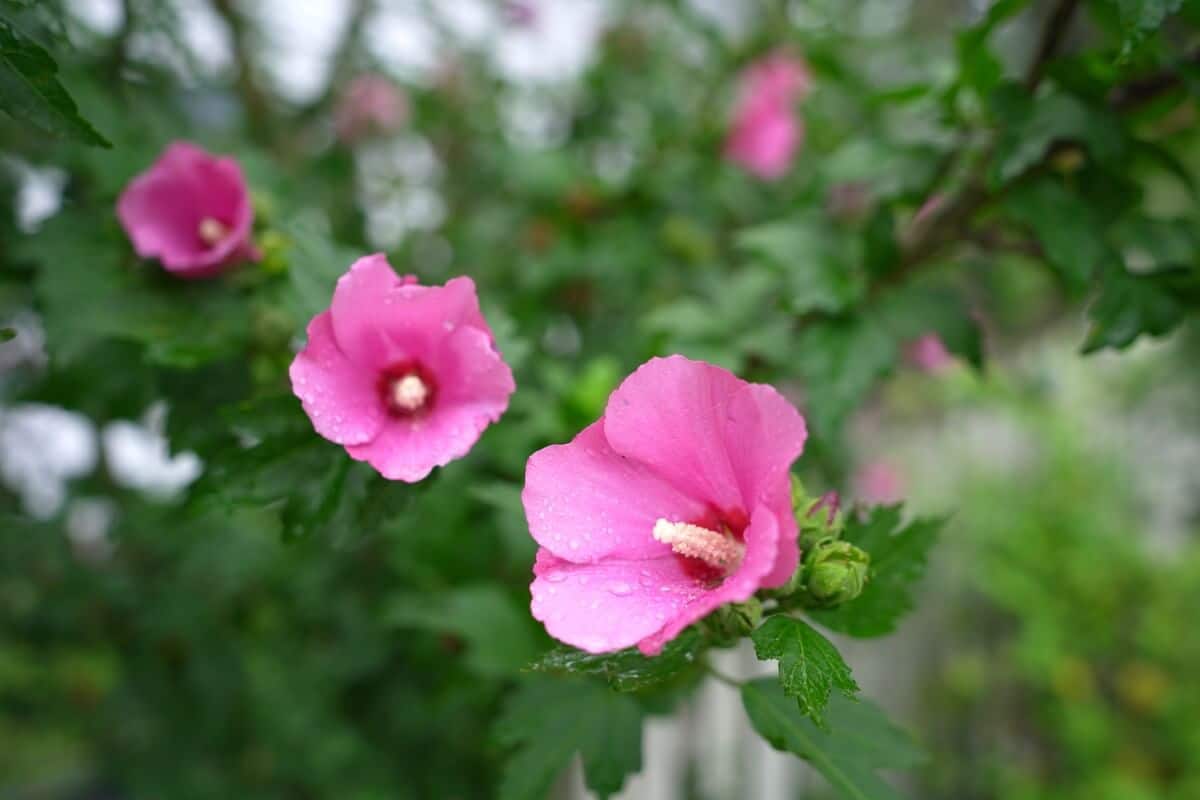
<point>762,536</point>
<point>670,414</point>
<point>764,434</point>
<point>340,398</point>
<point>380,320</point>
<point>584,502</point>
<point>612,604</point>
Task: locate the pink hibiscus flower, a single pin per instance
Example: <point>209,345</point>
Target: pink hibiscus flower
<point>878,483</point>
<point>371,104</point>
<point>928,354</point>
<point>405,376</point>
<point>673,503</point>
<point>190,210</point>
<point>766,132</point>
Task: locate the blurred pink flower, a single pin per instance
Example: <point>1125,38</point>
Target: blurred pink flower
<point>370,104</point>
<point>766,131</point>
<point>673,503</point>
<point>928,353</point>
<point>405,376</point>
<point>520,13</point>
<point>879,483</point>
<point>191,211</point>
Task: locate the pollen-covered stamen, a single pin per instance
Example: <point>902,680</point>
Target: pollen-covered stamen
<point>718,550</point>
<point>212,231</point>
<point>408,393</point>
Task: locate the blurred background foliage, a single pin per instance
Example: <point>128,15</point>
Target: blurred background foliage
<point>288,624</point>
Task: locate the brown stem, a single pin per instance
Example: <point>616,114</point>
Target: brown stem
<point>1142,90</point>
<point>1052,36</point>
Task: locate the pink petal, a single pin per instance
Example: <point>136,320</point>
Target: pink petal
<point>764,434</point>
<point>670,414</point>
<point>762,536</point>
<point>584,502</point>
<point>612,604</point>
<point>340,398</point>
<point>380,320</point>
<point>473,387</point>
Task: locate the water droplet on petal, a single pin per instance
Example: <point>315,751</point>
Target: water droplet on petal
<point>620,589</point>
<point>556,577</point>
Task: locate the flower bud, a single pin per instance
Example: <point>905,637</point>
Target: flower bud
<point>835,573</point>
<point>733,621</point>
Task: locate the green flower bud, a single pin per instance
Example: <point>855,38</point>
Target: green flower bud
<point>735,620</point>
<point>835,572</point>
<point>274,246</point>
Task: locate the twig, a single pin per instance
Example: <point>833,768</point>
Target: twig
<point>722,677</point>
<point>1142,90</point>
<point>1052,36</point>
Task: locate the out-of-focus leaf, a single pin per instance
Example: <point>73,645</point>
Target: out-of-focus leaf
<point>859,742</point>
<point>89,291</point>
<point>819,276</point>
<point>1064,223</point>
<point>1030,127</point>
<point>898,557</point>
<point>498,636</point>
<point>1132,305</point>
<point>627,670</point>
<point>810,667</point>
<point>30,89</point>
<point>548,721</point>
<point>1140,18</point>
<point>839,361</point>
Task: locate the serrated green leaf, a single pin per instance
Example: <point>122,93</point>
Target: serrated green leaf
<point>627,670</point>
<point>839,362</point>
<point>898,557</point>
<point>860,740</point>
<point>1065,226</point>
<point>1030,127</point>
<point>810,667</point>
<point>498,635</point>
<point>1130,306</point>
<point>30,90</point>
<point>550,720</point>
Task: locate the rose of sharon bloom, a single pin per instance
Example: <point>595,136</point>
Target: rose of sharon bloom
<point>928,354</point>
<point>371,104</point>
<point>878,483</point>
<point>405,376</point>
<point>673,503</point>
<point>766,131</point>
<point>191,211</point>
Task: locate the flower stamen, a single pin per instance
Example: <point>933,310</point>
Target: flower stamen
<point>212,231</point>
<point>408,393</point>
<point>718,550</point>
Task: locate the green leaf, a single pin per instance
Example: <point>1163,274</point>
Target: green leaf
<point>810,667</point>
<point>7,334</point>
<point>1066,226</point>
<point>1139,18</point>
<point>30,90</point>
<point>839,362</point>
<point>898,557</point>
<point>315,264</point>
<point>1030,127</point>
<point>498,635</point>
<point>628,670</point>
<point>820,276</point>
<point>179,323</point>
<point>1131,305</point>
<point>549,721</point>
<point>860,740</point>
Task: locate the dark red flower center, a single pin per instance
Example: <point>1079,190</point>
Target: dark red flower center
<point>407,389</point>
